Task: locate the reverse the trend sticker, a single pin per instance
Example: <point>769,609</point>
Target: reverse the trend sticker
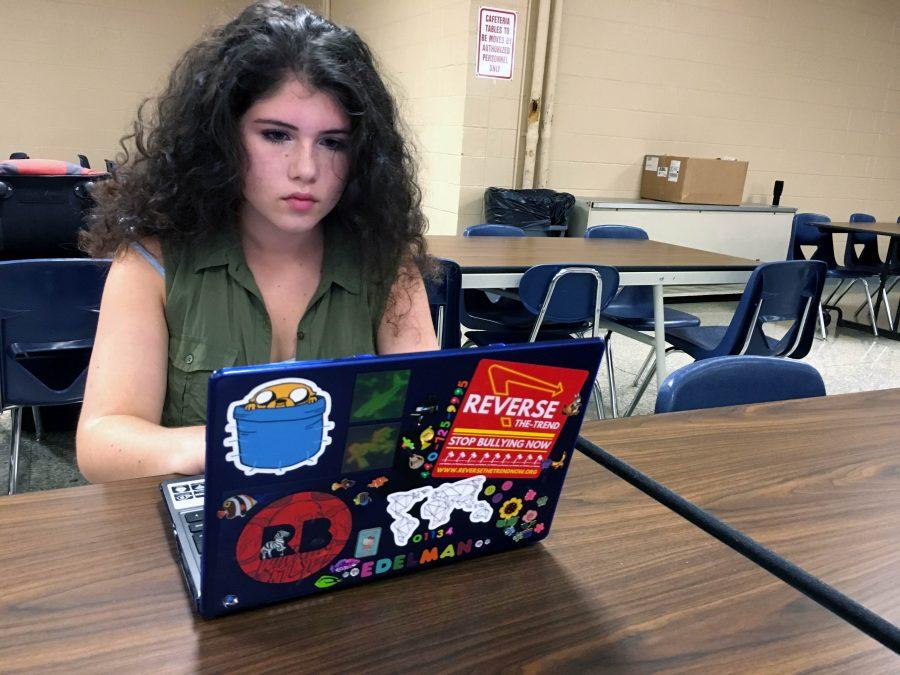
<point>509,420</point>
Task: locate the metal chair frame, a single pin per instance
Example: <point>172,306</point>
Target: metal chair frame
<point>598,296</point>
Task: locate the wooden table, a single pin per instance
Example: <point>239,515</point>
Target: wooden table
<point>815,480</point>
<point>891,230</point>
<point>887,229</point>
<point>90,582</point>
<point>498,262</point>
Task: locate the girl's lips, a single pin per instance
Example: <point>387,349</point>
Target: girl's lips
<point>300,203</point>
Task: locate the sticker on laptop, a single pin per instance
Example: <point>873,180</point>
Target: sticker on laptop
<point>509,420</point>
<point>279,426</point>
<point>438,503</point>
<point>187,494</point>
<point>293,537</point>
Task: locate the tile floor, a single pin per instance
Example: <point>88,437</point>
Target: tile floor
<point>852,362</point>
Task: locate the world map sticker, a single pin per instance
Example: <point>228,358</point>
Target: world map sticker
<point>438,505</point>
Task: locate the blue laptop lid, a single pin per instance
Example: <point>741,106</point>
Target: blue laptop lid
<point>322,475</point>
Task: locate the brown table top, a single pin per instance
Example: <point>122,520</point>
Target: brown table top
<point>889,229</point>
<point>520,253</point>
<point>815,480</point>
<point>89,582</point>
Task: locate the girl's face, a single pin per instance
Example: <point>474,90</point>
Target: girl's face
<point>297,160</point>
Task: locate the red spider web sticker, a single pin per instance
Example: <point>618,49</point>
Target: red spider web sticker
<point>293,537</point>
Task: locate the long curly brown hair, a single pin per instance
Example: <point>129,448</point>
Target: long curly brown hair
<point>184,179</point>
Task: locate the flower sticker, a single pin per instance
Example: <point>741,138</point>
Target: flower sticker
<point>539,528</point>
<point>531,494</point>
<point>510,508</point>
<point>529,516</point>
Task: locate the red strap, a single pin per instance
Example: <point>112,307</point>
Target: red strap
<point>44,167</point>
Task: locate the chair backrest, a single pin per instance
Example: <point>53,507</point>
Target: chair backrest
<point>629,295</point>
<point>776,292</point>
<point>567,293</point>
<point>615,232</point>
<point>869,255</point>
<point>48,317</point>
<point>737,380</point>
<point>491,230</point>
<point>805,233</point>
<point>443,298</point>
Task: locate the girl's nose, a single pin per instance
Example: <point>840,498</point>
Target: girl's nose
<point>303,165</point>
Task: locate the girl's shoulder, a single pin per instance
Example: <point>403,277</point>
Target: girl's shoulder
<point>151,250</point>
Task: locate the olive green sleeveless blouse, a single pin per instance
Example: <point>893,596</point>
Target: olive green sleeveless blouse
<point>216,317</point>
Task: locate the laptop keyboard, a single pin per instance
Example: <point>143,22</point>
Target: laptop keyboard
<point>194,522</point>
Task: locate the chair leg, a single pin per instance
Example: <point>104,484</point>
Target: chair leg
<point>862,306</point>
<point>598,401</point>
<point>843,293</point>
<point>611,376</point>
<point>651,372</point>
<point>14,451</point>
<point>887,307</point>
<point>640,372</point>
<point>38,425</point>
<point>822,323</point>
<point>871,308</point>
<point>827,301</point>
<point>641,389</point>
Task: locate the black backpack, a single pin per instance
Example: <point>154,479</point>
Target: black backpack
<point>43,203</point>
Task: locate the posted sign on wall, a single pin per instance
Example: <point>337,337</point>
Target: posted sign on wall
<point>496,43</point>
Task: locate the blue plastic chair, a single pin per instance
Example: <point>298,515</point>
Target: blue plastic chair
<point>805,233</point>
<point>493,230</point>
<point>869,259</point>
<point>572,295</point>
<point>443,299</point>
<point>48,317</point>
<point>894,262</point>
<point>737,380</point>
<point>787,291</point>
<point>488,311</point>
<point>632,308</point>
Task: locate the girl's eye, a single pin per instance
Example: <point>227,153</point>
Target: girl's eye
<point>334,143</point>
<point>276,136</point>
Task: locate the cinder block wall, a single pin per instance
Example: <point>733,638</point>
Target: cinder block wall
<point>72,72</point>
<point>422,50</point>
<point>807,92</point>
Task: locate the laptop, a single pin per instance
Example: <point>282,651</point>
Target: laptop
<point>324,475</point>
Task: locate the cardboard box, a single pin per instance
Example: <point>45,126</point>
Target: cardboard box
<point>691,180</point>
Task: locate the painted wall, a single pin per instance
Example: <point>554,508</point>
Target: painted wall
<point>421,47</point>
<point>807,92</point>
<point>72,72</point>
<point>493,123</point>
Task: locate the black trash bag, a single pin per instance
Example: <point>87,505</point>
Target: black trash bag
<point>542,210</point>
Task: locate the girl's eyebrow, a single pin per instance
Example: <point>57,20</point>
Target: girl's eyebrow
<point>285,125</point>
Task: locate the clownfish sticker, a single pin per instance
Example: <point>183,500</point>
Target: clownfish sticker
<point>279,426</point>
